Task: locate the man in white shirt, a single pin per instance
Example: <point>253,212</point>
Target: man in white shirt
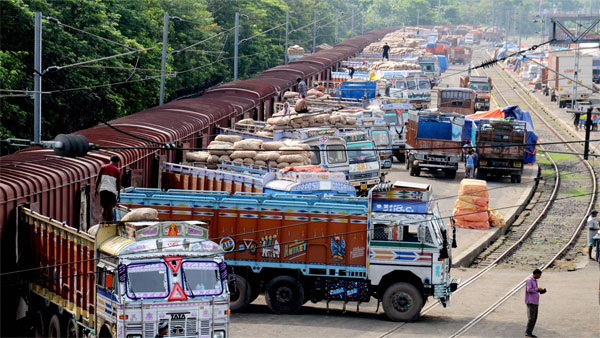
<point>286,106</point>
<point>592,225</point>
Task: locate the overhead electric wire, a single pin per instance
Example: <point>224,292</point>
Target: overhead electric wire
<point>97,60</point>
<point>105,85</point>
<point>56,21</point>
<point>261,33</point>
<point>199,42</point>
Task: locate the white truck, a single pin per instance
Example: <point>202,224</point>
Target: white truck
<point>564,63</point>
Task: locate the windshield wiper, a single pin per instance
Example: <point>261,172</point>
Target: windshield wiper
<point>187,284</point>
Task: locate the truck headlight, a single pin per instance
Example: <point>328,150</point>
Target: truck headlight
<point>219,334</point>
<point>517,164</point>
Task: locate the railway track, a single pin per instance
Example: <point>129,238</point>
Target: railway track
<point>536,228</point>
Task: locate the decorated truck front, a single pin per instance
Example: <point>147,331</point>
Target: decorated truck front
<point>365,170</point>
<point>125,280</point>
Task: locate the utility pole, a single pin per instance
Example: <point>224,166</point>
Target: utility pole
<point>337,15</point>
<point>520,25</point>
<point>287,28</point>
<point>163,62</point>
<point>37,80</point>
<point>493,21</point>
<point>352,31</point>
<point>235,46</point>
<point>418,14</point>
<point>576,68</point>
<point>438,12</point>
<point>362,24</point>
<point>314,31</point>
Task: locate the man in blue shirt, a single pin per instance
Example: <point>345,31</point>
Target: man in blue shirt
<point>469,165</point>
<point>301,87</point>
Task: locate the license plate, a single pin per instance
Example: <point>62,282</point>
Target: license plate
<point>363,187</point>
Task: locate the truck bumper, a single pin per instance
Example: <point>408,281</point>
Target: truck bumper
<point>443,292</point>
<point>507,170</point>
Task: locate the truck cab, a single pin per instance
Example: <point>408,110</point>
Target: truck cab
<point>414,89</point>
<point>457,100</point>
<point>379,132</point>
<point>409,234</point>
<point>429,66</point>
<point>365,170</point>
<point>482,85</point>
<point>501,148</point>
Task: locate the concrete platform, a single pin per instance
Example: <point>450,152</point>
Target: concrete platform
<point>508,198</point>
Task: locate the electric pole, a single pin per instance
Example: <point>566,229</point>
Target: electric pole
<point>37,81</point>
<point>352,31</point>
<point>287,28</point>
<point>235,46</point>
<point>163,62</point>
<point>576,68</point>
<point>337,15</point>
<point>314,31</point>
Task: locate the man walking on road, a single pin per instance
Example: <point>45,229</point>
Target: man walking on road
<point>470,165</point>
<point>592,225</point>
<point>532,299</point>
<point>108,183</point>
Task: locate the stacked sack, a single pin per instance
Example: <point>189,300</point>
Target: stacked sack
<point>471,207</point>
<point>281,155</point>
<point>393,65</point>
<point>310,120</point>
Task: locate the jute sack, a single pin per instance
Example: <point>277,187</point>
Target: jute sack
<point>273,164</point>
<point>290,95</point>
<point>243,154</point>
<point>248,161</point>
<point>224,158</point>
<point>291,158</point>
<point>228,138</point>
<point>291,150</point>
<point>261,163</point>
<point>246,145</point>
<point>197,156</point>
<point>272,145</point>
<point>213,159</point>
<point>267,156</point>
<point>283,165</point>
<point>297,164</point>
<point>238,161</point>
<point>219,148</point>
<point>141,214</point>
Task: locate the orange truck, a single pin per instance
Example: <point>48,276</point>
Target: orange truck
<point>482,85</point>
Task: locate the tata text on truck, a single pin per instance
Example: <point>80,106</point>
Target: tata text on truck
<point>433,142</point>
<point>300,248</point>
<point>125,280</point>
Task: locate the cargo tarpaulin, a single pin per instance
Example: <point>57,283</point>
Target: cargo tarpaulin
<point>442,62</point>
<point>511,112</point>
<point>358,90</point>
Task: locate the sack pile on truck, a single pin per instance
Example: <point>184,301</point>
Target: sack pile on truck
<point>394,65</point>
<point>471,206</point>
<point>310,120</point>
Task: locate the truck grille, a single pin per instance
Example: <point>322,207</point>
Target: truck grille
<point>204,328</point>
<point>183,328</point>
<point>354,177</point>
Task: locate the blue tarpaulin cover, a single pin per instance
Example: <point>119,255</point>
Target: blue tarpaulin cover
<point>357,90</point>
<point>442,62</point>
<point>431,45</point>
<point>516,113</point>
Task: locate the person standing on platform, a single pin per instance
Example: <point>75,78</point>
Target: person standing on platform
<point>108,183</point>
<point>386,52</point>
<point>592,225</point>
<point>301,87</point>
<point>351,69</point>
<point>532,300</point>
<point>286,107</point>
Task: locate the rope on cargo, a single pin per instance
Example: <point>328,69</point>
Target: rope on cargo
<point>166,145</point>
<point>290,242</point>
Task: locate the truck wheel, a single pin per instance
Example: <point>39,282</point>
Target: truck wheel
<point>518,178</point>
<point>408,162</point>
<point>72,329</point>
<point>284,295</point>
<point>39,326</point>
<point>402,302</point>
<point>481,174</point>
<point>450,173</point>
<point>54,327</point>
<point>240,295</point>
<point>417,171</point>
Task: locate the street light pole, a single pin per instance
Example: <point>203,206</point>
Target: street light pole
<point>287,27</point>
<point>37,81</point>
<point>163,62</point>
<point>235,46</point>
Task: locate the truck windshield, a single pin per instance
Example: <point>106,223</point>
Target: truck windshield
<point>147,281</point>
<point>428,67</point>
<point>400,84</point>
<point>316,157</point>
<point>480,87</point>
<point>390,118</point>
<point>381,137</point>
<point>336,153</point>
<point>411,84</point>
<point>361,152</point>
<point>201,278</point>
<point>424,84</point>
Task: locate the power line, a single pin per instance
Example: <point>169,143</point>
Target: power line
<point>104,85</point>
<point>98,59</point>
<point>56,21</point>
<point>261,33</point>
<point>199,42</point>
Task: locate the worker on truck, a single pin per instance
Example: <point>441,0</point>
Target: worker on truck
<point>109,184</point>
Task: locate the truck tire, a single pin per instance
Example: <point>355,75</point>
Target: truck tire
<point>402,302</point>
<point>284,295</point>
<point>408,162</point>
<point>240,294</point>
<point>518,178</point>
<point>72,329</point>
<point>417,171</point>
<point>450,173</point>
<point>54,327</point>
<point>481,174</point>
<point>39,324</point>
<point>513,178</point>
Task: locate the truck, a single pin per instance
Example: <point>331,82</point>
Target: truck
<point>461,55</point>
<point>413,88</point>
<point>379,132</point>
<point>482,85</point>
<point>564,63</point>
<point>501,148</point>
<point>469,40</point>
<point>456,100</point>
<point>429,65</point>
<point>125,280</point>
<point>392,245</point>
<point>433,142</point>
<point>394,116</point>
